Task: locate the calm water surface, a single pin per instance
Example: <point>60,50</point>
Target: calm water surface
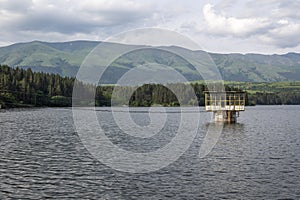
<point>41,156</point>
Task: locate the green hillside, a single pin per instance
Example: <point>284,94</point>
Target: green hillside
<point>65,58</point>
<point>62,58</point>
<point>258,68</point>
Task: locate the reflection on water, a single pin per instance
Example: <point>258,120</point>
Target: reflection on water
<point>41,156</point>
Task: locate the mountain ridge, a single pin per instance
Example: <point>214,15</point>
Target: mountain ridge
<point>65,59</point>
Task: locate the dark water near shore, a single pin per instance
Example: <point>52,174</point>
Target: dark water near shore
<point>41,156</point>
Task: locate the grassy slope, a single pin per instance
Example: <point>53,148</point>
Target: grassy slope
<point>62,58</point>
<point>65,59</point>
<point>293,86</point>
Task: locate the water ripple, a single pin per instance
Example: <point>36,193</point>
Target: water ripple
<point>41,156</point>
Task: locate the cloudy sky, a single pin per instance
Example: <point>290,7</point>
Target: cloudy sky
<point>265,26</point>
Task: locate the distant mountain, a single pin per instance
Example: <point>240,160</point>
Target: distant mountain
<point>65,59</point>
<point>62,58</point>
<point>258,68</point>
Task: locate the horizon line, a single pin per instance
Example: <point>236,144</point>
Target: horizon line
<point>99,41</point>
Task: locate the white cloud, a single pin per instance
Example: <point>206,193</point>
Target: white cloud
<point>271,23</point>
<point>286,9</point>
<point>71,16</point>
<point>241,27</point>
<point>284,36</point>
<point>283,21</point>
<point>49,20</point>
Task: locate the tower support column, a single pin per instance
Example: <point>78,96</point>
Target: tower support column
<point>225,116</point>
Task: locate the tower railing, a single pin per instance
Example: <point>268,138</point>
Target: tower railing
<point>225,105</point>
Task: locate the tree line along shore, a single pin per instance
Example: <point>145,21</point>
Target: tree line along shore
<point>25,88</point>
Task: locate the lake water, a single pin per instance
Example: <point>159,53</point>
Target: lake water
<point>42,156</point>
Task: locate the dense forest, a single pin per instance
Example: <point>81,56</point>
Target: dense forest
<point>273,93</point>
<point>19,87</point>
<point>24,88</point>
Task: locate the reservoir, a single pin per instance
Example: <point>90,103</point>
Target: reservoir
<point>41,155</point>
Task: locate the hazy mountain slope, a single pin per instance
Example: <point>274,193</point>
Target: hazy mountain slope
<point>256,67</point>
<point>63,58</point>
<point>66,57</point>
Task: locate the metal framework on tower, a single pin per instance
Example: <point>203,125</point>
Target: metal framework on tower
<point>225,105</point>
